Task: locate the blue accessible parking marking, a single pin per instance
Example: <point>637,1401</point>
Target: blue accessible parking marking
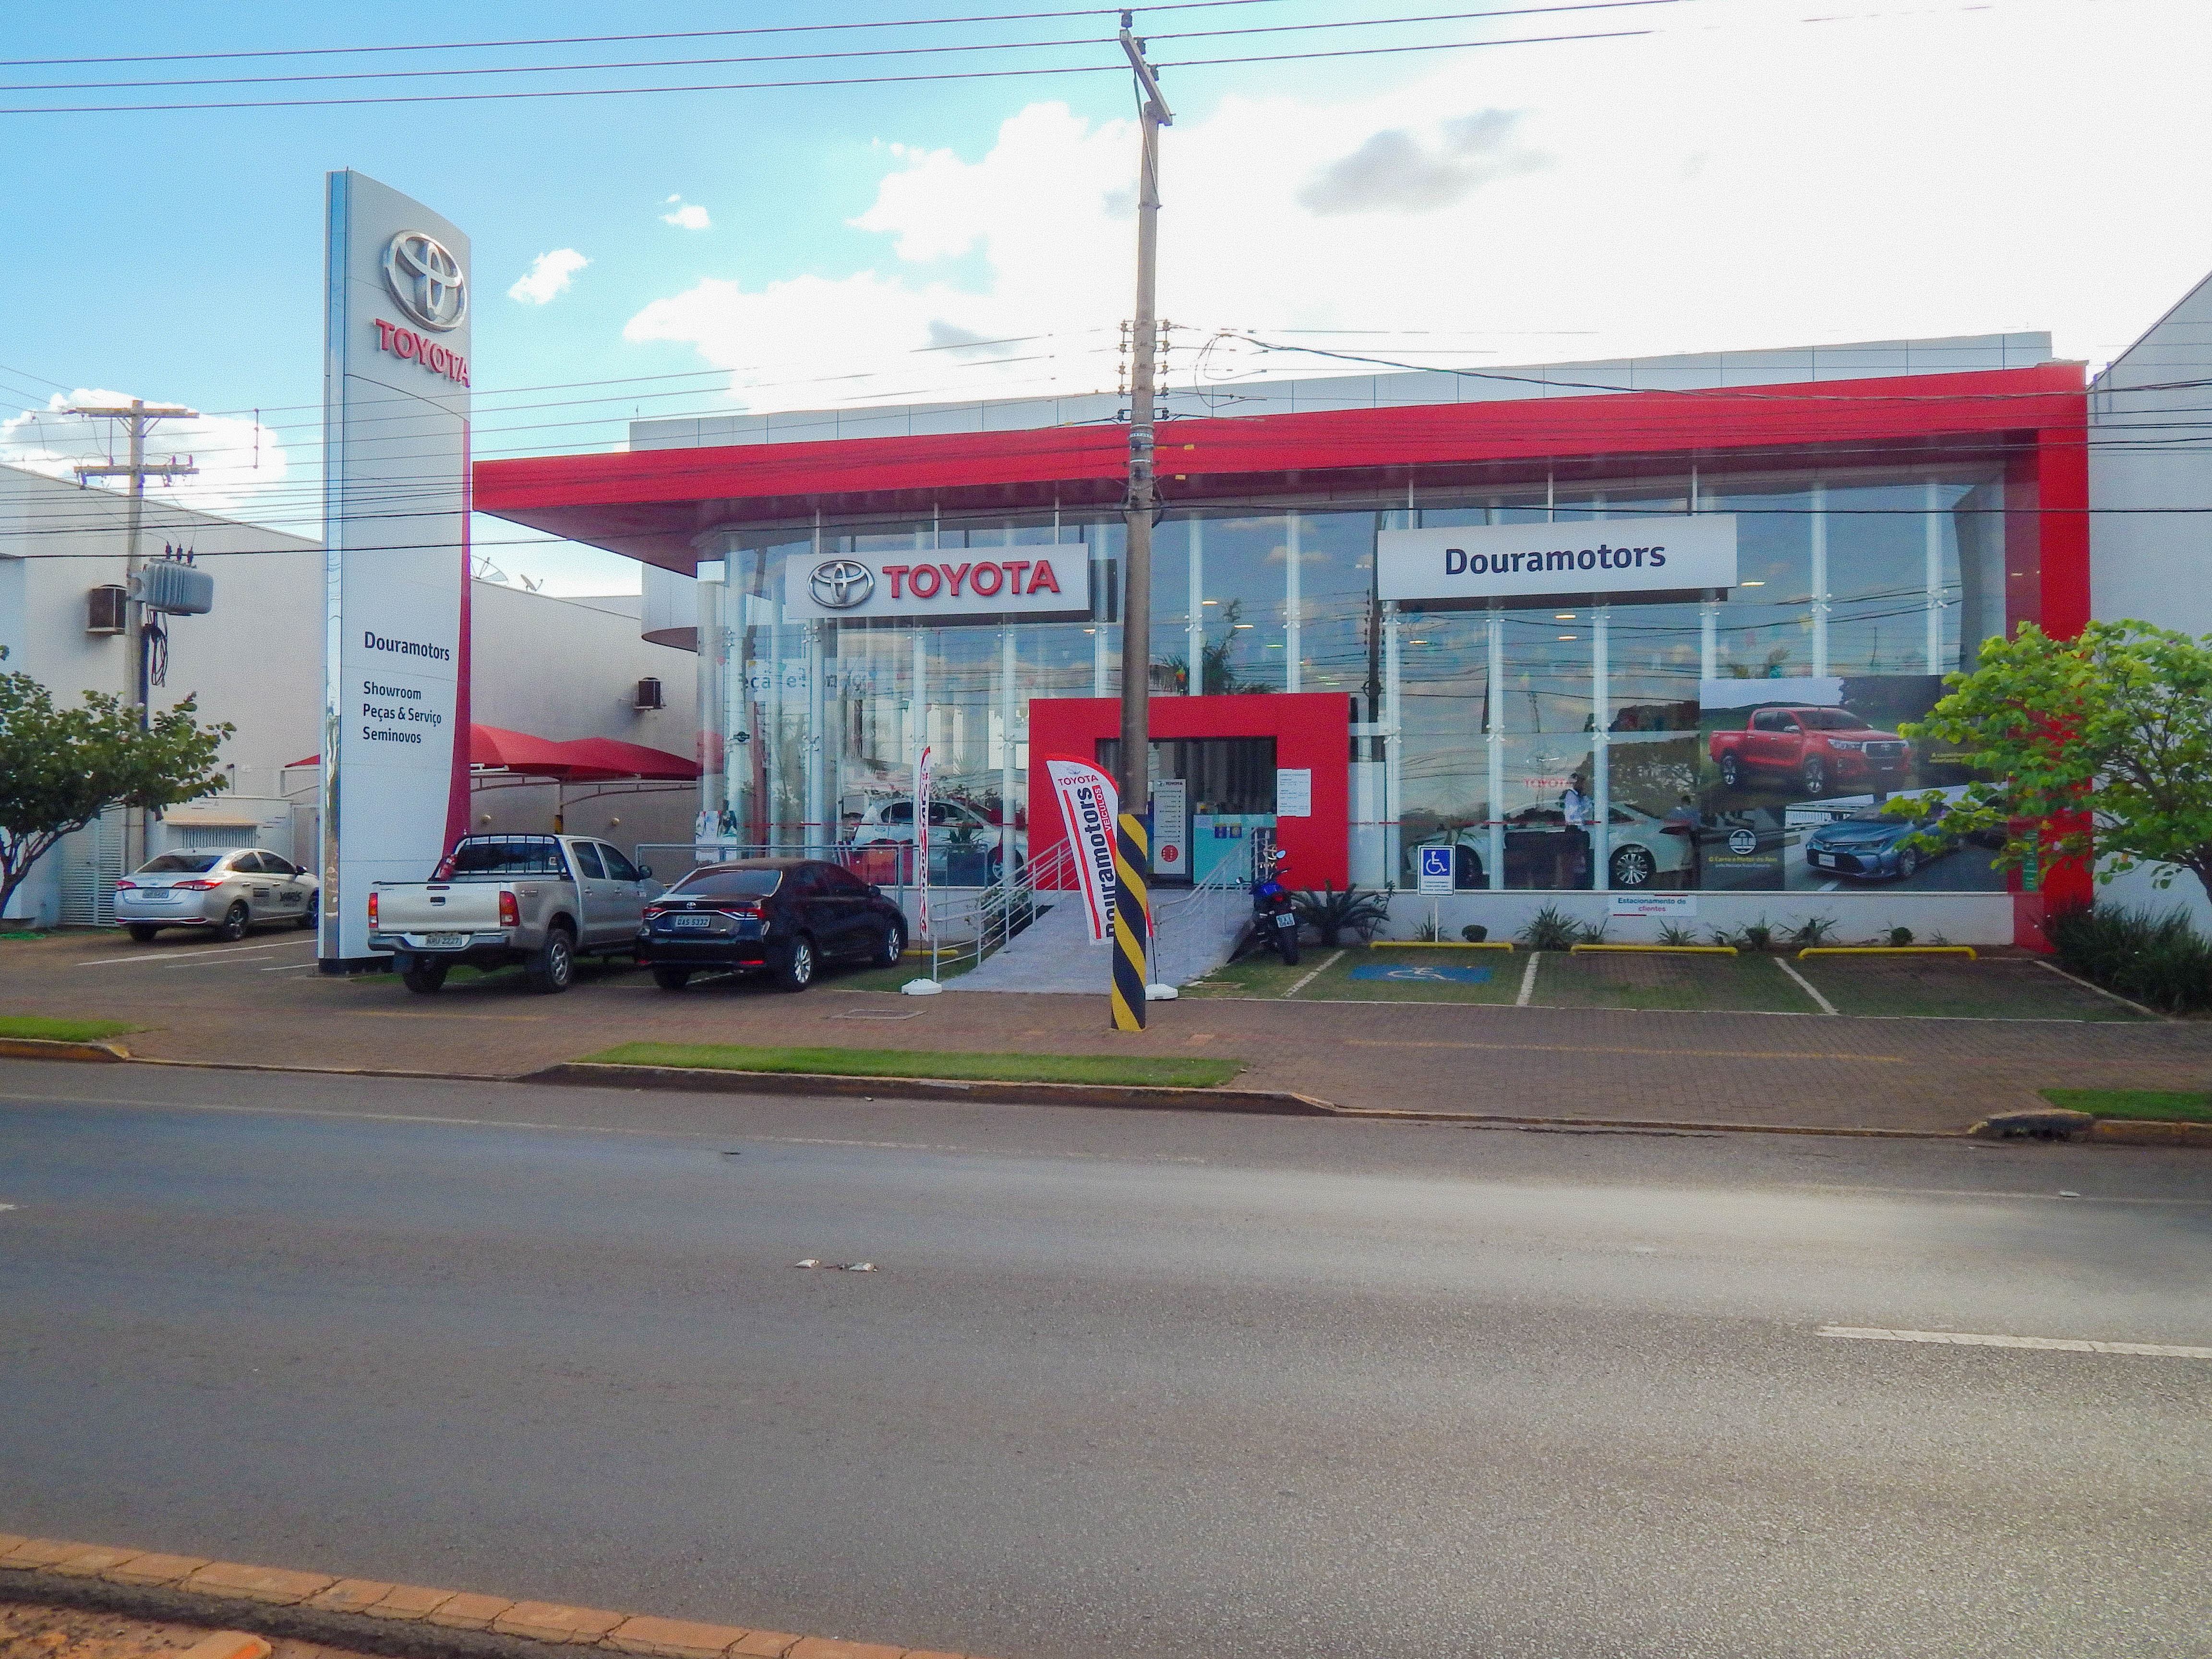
<point>1423,974</point>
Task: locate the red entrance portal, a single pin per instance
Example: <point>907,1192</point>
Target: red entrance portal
<point>1311,729</point>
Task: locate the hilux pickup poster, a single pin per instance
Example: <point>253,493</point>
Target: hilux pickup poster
<point>1796,775</point>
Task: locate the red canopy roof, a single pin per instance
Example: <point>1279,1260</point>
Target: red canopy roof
<point>580,760</point>
<point>613,758</point>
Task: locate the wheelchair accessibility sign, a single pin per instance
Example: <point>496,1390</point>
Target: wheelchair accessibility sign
<point>1436,870</point>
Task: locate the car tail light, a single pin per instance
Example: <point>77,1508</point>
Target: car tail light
<point>510,913</point>
<point>197,886</point>
<point>372,909</point>
<point>125,886</point>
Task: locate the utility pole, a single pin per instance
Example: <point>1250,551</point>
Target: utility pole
<point>1133,852</point>
<point>1143,497</point>
<point>138,415</point>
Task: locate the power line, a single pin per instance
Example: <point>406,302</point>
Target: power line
<point>812,82</point>
<point>605,39</point>
<point>813,56</point>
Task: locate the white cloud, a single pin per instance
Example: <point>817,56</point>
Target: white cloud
<point>549,275</point>
<point>1751,180</point>
<point>241,466</point>
<point>689,216</point>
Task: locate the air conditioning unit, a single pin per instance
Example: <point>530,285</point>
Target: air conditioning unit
<point>106,611</point>
<point>648,695</point>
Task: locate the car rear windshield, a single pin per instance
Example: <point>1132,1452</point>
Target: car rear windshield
<point>1830,720</point>
<point>180,864</point>
<point>728,883</point>
<point>507,855</point>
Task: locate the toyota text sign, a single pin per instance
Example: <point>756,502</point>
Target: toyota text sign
<point>969,584</point>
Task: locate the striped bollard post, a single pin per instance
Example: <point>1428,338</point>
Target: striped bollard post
<point>1132,922</point>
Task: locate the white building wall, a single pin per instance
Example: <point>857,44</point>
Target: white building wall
<point>552,667</point>
<point>564,668</point>
<point>2150,504</point>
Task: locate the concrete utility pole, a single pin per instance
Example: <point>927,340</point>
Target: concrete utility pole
<point>138,416</point>
<point>1143,498</point>
<point>1132,842</point>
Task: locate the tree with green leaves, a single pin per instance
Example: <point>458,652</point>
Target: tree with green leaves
<point>62,767</point>
<point>2100,746</point>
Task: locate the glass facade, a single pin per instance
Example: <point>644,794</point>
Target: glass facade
<point>1591,743</point>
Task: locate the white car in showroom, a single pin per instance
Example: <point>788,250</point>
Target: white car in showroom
<point>954,826</point>
<point>231,889</point>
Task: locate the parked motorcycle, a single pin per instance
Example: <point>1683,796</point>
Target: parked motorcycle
<point>1273,916</point>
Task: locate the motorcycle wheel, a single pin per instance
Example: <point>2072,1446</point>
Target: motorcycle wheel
<point>1286,941</point>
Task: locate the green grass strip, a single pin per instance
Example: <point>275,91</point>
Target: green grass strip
<point>924,1062</point>
<point>61,1030</point>
<point>2151,1105</point>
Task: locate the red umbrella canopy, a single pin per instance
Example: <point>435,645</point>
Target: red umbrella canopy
<point>518,751</point>
<point>581,760</point>
<point>610,757</point>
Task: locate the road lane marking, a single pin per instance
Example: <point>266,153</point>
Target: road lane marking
<point>1806,984</point>
<point>2063,1344</point>
<point>1314,976</point>
<point>1590,1048</point>
<point>184,956</point>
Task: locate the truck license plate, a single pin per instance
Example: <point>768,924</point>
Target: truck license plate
<point>444,941</point>
<point>690,921</point>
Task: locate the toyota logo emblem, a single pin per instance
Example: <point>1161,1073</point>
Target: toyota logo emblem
<point>426,280</point>
<point>841,584</point>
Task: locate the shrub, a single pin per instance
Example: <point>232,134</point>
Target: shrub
<point>1428,933</point>
<point>1328,912</point>
<point>1897,938</point>
<point>1474,933</point>
<point>1751,936</point>
<point>1552,929</point>
<point>2159,960</point>
<point>1813,931</point>
<point>1671,933</point>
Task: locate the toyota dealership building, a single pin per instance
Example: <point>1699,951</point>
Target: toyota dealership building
<point>1625,637</point>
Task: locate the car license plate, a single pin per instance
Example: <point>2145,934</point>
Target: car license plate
<point>1823,860</point>
<point>1287,921</point>
<point>444,941</point>
<point>690,921</point>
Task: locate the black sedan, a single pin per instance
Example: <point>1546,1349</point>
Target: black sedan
<point>786,915</point>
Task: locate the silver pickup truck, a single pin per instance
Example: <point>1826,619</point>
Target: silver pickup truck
<point>542,901</point>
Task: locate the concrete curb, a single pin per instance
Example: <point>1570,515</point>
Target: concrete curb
<point>1679,1126</point>
<point>1127,1098</point>
<point>52,1049</point>
<point>2148,1132</point>
<point>405,1621</point>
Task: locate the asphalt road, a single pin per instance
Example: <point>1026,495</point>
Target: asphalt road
<point>1124,1384</point>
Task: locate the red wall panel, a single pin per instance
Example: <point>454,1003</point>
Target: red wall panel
<point>1312,729</point>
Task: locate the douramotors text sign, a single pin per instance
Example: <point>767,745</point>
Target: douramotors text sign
<point>1474,564</point>
<point>396,371</point>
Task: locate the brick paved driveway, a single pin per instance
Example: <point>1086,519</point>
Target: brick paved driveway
<point>263,1002</point>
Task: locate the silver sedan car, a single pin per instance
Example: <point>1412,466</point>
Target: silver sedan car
<point>230,890</point>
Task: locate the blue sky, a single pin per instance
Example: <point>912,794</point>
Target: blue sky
<point>1742,176</point>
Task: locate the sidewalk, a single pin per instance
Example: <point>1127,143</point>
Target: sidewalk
<point>263,1003</point>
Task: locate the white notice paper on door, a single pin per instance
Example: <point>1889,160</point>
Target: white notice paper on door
<point>1294,791</point>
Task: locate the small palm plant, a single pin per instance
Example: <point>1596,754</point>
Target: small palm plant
<point>1552,929</point>
<point>1329,912</point>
